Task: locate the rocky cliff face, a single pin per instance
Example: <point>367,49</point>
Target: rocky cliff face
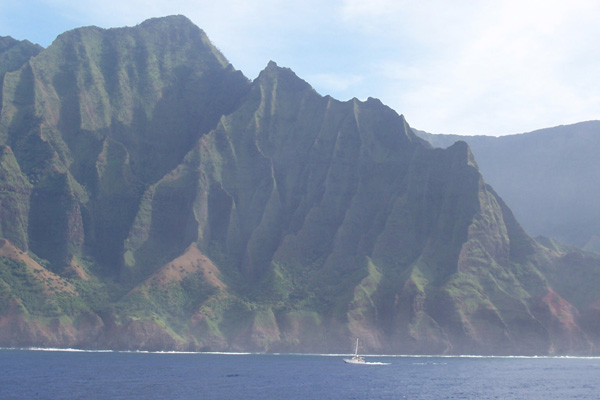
<point>13,54</point>
<point>155,198</point>
<point>109,113</point>
<point>549,178</point>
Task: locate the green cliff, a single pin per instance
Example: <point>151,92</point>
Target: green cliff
<point>548,177</point>
<point>152,197</point>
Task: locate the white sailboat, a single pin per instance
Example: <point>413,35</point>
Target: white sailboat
<point>356,359</point>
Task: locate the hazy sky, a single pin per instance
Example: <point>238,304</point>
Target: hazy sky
<point>450,66</point>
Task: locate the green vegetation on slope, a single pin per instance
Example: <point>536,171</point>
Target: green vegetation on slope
<point>166,202</point>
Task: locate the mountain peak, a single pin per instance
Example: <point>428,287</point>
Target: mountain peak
<point>169,19</point>
<point>14,53</point>
<point>274,74</point>
<point>171,23</point>
<point>175,34</point>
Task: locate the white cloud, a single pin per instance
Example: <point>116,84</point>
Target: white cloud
<point>486,67</point>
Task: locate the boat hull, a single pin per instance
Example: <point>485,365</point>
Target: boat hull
<point>351,361</point>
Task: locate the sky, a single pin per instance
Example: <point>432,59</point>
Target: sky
<point>468,67</point>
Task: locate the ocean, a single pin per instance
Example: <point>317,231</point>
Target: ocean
<point>58,374</point>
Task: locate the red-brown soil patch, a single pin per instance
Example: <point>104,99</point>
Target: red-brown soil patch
<point>52,282</point>
<point>560,309</point>
<point>191,261</point>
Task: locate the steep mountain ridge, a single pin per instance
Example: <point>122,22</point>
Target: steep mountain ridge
<point>13,54</point>
<point>548,177</point>
<point>188,208</point>
<point>110,111</point>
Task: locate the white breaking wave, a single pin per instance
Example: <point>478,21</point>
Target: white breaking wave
<point>58,349</point>
<point>225,353</point>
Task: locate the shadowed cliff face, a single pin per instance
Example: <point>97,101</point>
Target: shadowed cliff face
<point>101,115</point>
<point>13,54</point>
<point>548,177</point>
<point>184,207</point>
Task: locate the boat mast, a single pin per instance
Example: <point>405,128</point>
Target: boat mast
<point>356,351</point>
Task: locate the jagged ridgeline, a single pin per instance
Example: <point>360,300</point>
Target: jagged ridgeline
<point>152,197</point>
<point>548,177</point>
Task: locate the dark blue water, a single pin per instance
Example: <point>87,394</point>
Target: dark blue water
<point>81,375</point>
